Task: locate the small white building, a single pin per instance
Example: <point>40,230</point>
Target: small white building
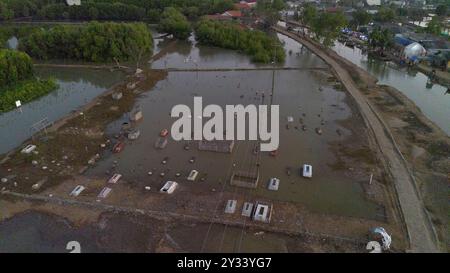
<point>247,209</point>
<point>307,171</point>
<point>73,2</point>
<point>105,192</point>
<point>263,213</point>
<point>230,208</point>
<point>169,187</point>
<point>192,175</point>
<point>274,184</point>
<point>115,178</point>
<point>28,149</point>
<point>77,191</point>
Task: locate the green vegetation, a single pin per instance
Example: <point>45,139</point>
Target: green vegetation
<point>175,23</point>
<point>360,18</point>
<point>442,10</point>
<point>129,10</point>
<point>93,42</point>
<point>24,91</point>
<point>8,31</point>
<point>385,14</point>
<point>381,39</point>
<point>269,10</point>
<point>92,11</point>
<point>434,26</point>
<point>258,45</point>
<point>14,67</point>
<point>325,26</point>
<point>17,80</point>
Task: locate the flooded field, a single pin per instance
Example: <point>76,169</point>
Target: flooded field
<point>76,88</point>
<point>433,101</point>
<point>308,94</point>
<point>300,94</point>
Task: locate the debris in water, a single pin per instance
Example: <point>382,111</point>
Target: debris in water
<point>319,131</point>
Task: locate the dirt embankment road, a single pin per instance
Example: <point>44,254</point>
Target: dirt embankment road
<point>419,227</point>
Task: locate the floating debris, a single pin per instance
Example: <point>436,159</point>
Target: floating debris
<point>28,149</point>
<point>319,131</point>
<point>304,127</point>
<point>4,180</point>
<point>164,161</point>
<point>192,160</point>
<point>118,147</point>
<point>147,188</point>
<point>161,143</point>
<point>117,95</point>
<point>136,115</point>
<point>150,173</point>
<point>288,171</point>
<point>164,133</point>
<point>133,134</point>
<point>290,119</point>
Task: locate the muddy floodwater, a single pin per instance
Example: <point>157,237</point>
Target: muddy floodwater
<point>433,101</point>
<point>303,94</point>
<point>299,94</point>
<point>76,88</point>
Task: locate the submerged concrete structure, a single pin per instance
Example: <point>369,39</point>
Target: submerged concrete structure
<point>245,179</point>
<point>220,146</point>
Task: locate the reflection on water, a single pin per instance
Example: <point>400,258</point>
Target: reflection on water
<point>76,88</point>
<point>433,102</point>
<point>190,55</point>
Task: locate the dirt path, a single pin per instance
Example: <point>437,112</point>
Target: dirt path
<point>418,225</point>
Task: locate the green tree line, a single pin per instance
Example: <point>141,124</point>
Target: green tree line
<point>325,26</point>
<point>149,10</point>
<point>257,44</point>
<point>92,42</point>
<point>17,80</point>
<point>175,23</point>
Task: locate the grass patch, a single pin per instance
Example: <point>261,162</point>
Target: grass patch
<point>25,91</point>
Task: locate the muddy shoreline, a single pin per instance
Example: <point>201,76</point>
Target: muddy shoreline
<point>417,130</point>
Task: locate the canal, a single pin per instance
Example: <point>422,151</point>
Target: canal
<point>76,88</point>
<point>433,102</point>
